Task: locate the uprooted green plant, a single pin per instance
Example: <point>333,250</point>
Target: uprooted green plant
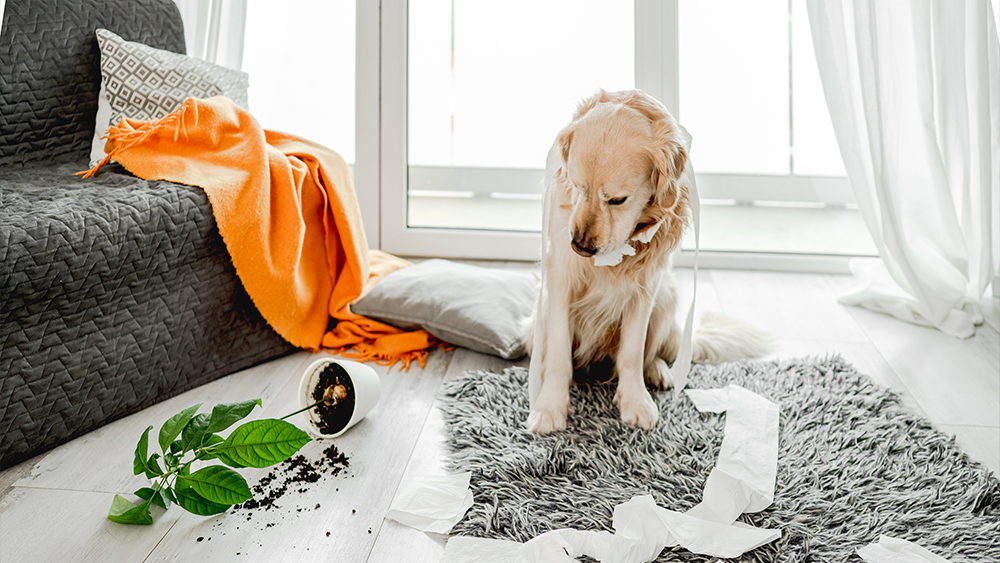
<point>188,437</point>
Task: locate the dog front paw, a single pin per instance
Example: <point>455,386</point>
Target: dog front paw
<point>639,410</point>
<point>657,374</point>
<point>545,421</point>
<point>549,411</point>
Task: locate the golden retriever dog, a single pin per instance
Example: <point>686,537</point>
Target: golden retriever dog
<point>617,202</point>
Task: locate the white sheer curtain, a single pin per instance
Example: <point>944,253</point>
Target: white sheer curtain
<point>214,30</point>
<point>913,89</point>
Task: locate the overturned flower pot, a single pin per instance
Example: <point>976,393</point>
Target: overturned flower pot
<point>346,392</point>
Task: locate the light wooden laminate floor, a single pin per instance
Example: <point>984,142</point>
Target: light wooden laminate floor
<point>53,507</point>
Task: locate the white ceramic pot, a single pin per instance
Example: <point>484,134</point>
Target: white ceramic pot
<point>367,389</point>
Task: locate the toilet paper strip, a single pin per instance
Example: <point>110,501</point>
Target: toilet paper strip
<point>744,475</point>
<point>642,531</point>
<point>432,503</point>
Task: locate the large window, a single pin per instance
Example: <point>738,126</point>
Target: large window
<point>474,92</point>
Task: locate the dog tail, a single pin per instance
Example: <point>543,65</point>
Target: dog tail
<point>724,339</point>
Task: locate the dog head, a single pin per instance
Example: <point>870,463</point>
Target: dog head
<point>623,161</point>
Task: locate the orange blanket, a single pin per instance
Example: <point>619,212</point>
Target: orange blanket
<point>287,211</point>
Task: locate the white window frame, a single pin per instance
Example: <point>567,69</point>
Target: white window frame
<point>381,170</point>
<point>396,236</point>
<point>367,137</point>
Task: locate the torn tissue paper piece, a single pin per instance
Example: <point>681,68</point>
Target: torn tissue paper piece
<point>706,537</point>
<point>565,545</point>
<point>742,481</point>
<point>894,550</point>
<point>463,549</point>
<point>614,256</point>
<point>432,503</point>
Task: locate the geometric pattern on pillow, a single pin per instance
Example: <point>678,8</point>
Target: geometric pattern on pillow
<point>144,83</point>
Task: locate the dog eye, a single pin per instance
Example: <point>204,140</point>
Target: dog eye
<point>617,201</point>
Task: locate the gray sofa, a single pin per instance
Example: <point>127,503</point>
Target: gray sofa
<point>115,292</point>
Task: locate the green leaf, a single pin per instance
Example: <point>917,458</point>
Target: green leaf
<point>153,467</point>
<point>219,484</point>
<point>124,512</point>
<point>172,427</point>
<point>144,493</point>
<point>147,493</point>
<point>226,414</point>
<point>261,443</point>
<point>171,460</point>
<point>179,484</point>
<point>169,495</point>
<point>176,447</point>
<point>141,449</point>
<point>210,440</point>
<point>194,503</point>
<point>194,431</point>
<point>230,462</point>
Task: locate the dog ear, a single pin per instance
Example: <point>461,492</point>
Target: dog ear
<point>669,162</point>
<point>564,139</point>
<point>669,202</point>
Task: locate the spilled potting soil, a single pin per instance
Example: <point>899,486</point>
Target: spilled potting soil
<point>281,489</point>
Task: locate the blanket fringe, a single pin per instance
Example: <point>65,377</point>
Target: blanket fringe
<point>368,351</point>
<point>125,135</point>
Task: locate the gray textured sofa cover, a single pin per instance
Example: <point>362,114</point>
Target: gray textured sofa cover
<point>115,292</point>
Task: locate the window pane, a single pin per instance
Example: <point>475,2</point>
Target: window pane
<point>770,173</point>
<point>734,94</point>
<point>815,145</point>
<point>489,86</point>
<point>301,64</point>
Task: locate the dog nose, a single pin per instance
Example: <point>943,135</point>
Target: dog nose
<point>581,248</point>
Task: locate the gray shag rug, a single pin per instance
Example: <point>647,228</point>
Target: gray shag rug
<point>853,463</point>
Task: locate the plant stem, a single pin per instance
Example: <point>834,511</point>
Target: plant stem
<point>316,404</point>
<point>331,396</point>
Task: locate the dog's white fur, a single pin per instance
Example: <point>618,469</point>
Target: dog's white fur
<point>618,145</point>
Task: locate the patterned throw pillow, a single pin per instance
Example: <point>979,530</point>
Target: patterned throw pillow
<point>140,82</point>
